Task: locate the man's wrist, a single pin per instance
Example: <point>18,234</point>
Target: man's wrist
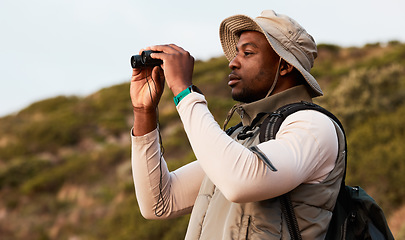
<point>179,88</point>
<point>144,121</point>
<point>181,95</point>
<point>143,110</point>
<point>184,93</point>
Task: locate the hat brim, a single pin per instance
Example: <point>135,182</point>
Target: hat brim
<point>230,30</point>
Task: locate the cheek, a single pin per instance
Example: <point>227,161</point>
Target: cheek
<point>264,78</point>
<point>262,74</point>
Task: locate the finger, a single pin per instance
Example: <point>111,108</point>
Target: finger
<point>146,49</point>
<point>159,48</point>
<point>177,48</point>
<point>135,72</point>
<point>167,48</point>
<point>138,74</point>
<point>168,51</point>
<point>158,75</point>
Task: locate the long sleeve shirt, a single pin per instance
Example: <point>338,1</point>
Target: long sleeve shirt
<point>304,151</point>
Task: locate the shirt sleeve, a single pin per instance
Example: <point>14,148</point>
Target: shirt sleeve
<point>174,192</point>
<point>299,154</point>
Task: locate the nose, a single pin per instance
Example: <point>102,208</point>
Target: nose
<point>234,64</point>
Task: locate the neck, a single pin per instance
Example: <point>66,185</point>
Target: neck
<point>272,103</point>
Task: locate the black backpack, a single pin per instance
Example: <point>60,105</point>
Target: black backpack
<point>356,215</point>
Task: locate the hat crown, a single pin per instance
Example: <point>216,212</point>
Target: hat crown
<point>291,35</point>
<point>287,38</point>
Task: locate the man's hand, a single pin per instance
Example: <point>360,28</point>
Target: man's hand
<point>177,66</point>
<point>146,90</point>
<point>147,84</point>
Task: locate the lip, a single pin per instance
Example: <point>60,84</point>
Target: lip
<point>233,79</point>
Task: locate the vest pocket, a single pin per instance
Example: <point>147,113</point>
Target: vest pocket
<point>244,228</point>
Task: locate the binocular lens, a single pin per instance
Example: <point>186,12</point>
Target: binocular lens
<point>136,61</point>
<point>145,60</point>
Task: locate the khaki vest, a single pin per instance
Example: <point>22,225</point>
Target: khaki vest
<point>214,217</point>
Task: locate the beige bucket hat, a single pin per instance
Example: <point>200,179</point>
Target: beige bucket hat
<point>288,39</point>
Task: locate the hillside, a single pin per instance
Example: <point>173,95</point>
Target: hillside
<point>65,168</point>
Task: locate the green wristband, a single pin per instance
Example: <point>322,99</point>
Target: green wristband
<point>182,94</point>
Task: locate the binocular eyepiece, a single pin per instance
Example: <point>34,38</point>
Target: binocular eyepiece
<point>145,60</point>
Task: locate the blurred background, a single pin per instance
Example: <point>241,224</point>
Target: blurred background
<point>48,48</point>
<point>65,112</point>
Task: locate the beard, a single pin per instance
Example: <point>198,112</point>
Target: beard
<point>246,95</point>
<point>251,89</point>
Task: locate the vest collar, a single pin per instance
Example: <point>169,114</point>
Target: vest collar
<point>248,111</point>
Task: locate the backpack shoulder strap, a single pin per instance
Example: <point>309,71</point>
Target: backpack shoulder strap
<point>268,130</point>
<point>272,123</point>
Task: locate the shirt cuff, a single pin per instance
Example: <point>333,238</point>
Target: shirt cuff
<point>190,98</point>
<point>147,138</point>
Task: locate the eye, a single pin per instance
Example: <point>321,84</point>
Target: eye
<point>246,53</point>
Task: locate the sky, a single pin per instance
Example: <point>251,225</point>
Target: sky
<point>76,47</point>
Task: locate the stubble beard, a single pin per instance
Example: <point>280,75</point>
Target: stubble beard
<point>244,96</point>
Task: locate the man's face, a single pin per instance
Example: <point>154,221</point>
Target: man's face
<point>253,68</point>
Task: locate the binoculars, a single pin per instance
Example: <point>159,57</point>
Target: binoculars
<point>145,60</point>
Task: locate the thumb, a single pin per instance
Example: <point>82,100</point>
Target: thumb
<point>159,77</point>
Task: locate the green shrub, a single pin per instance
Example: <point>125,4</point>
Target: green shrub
<point>367,92</point>
<point>20,170</point>
<point>375,155</point>
<point>52,179</point>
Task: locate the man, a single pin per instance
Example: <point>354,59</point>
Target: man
<point>232,189</point>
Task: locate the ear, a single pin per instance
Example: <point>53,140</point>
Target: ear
<point>285,68</point>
